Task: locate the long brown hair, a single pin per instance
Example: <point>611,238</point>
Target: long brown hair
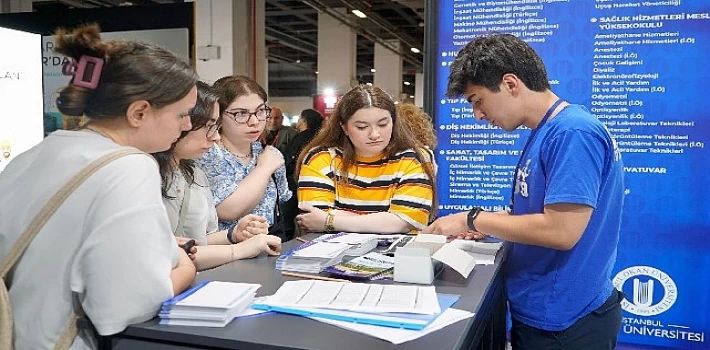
<point>332,134</point>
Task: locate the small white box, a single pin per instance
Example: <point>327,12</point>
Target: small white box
<point>413,265</point>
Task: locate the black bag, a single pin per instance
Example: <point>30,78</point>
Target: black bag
<point>277,228</point>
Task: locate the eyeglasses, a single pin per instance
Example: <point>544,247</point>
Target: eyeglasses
<point>212,129</point>
<point>242,116</point>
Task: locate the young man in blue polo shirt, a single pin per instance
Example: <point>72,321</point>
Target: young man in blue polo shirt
<point>563,228</point>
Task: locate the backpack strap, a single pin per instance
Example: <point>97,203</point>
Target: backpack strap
<point>23,242</point>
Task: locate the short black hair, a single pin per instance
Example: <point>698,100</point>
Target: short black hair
<point>485,60</point>
<point>313,118</point>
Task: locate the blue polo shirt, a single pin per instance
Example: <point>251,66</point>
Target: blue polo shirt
<point>572,159</point>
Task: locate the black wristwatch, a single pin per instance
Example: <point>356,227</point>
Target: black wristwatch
<point>472,215</point>
<point>230,235</point>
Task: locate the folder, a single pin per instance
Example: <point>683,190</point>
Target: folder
<point>388,319</point>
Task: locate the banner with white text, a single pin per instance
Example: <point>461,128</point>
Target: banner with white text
<point>641,67</point>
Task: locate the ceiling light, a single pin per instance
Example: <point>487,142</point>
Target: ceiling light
<point>407,83</point>
<point>369,84</point>
<point>415,50</point>
<point>359,14</point>
<point>411,96</point>
<point>316,72</point>
<point>298,61</point>
<point>373,70</point>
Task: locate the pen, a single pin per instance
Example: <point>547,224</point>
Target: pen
<point>314,277</point>
<point>302,240</point>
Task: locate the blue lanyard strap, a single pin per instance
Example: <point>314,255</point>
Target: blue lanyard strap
<point>533,133</point>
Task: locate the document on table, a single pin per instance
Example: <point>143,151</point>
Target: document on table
<point>399,335</point>
<point>358,297</point>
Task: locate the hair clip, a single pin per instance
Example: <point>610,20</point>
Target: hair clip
<point>86,64</point>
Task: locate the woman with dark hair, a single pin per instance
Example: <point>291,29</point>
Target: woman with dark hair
<point>188,199</point>
<point>309,124</point>
<point>364,170</point>
<point>107,251</point>
<point>244,176</point>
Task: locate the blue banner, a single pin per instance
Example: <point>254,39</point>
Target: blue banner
<point>642,68</point>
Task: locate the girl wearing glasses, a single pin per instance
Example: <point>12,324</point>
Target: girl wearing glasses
<point>188,199</point>
<point>244,176</point>
<point>364,171</point>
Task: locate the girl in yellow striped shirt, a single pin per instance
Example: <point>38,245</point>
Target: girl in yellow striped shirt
<point>364,171</point>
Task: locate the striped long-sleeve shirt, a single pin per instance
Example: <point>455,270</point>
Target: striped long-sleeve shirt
<point>397,185</point>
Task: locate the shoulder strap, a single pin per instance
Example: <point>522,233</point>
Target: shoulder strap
<point>31,231</point>
<point>277,211</point>
<point>180,228</point>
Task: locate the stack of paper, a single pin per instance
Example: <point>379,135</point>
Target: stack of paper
<point>209,304</point>
<point>360,243</point>
<point>409,307</point>
<point>312,257</point>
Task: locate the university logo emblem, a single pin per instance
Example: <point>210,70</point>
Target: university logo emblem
<point>651,290</point>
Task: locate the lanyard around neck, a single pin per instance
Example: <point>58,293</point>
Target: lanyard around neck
<point>533,133</point>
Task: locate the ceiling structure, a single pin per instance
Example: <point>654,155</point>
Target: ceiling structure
<point>292,39</point>
<point>292,36</point>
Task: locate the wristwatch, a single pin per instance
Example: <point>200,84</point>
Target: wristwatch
<point>472,215</point>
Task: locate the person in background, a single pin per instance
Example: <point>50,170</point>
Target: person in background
<point>419,123</point>
<point>244,176</point>
<point>108,250</point>
<point>309,124</point>
<point>277,134</point>
<point>193,215</point>
<point>563,229</point>
<point>363,171</point>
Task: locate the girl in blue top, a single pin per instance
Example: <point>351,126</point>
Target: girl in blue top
<point>244,176</point>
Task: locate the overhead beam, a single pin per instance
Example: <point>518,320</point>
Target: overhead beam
<point>292,41</point>
<point>302,16</point>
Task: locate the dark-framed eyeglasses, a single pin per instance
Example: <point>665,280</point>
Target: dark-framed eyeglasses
<point>242,116</point>
<point>213,129</point>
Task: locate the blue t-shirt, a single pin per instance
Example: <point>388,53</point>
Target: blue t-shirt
<point>572,159</point>
<point>224,173</point>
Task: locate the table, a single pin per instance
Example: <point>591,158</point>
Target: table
<point>481,292</point>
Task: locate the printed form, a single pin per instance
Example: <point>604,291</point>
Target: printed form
<point>359,297</point>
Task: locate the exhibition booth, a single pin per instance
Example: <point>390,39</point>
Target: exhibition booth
<point>639,66</point>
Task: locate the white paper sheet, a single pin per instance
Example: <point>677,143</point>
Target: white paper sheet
<point>398,335</point>
<point>456,258</point>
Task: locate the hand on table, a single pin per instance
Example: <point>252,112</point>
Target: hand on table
<point>312,220</point>
<point>250,226</point>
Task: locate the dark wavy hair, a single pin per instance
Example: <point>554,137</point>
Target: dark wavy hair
<point>313,118</point>
<point>200,115</point>
<point>485,60</point>
<point>132,71</point>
